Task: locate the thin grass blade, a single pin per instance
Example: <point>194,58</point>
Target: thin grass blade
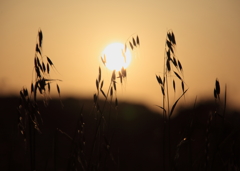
<point>174,105</point>
<point>101,84</point>
<point>182,86</point>
<point>116,102</point>
<point>58,89</point>
<point>161,108</point>
<point>95,98</point>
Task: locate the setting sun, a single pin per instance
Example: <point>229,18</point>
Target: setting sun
<point>114,57</point>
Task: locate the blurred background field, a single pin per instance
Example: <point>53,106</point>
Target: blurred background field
<point>137,144</point>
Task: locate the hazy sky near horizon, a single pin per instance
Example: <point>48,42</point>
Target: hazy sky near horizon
<point>76,32</point>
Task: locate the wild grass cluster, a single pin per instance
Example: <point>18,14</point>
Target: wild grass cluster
<point>98,149</point>
<point>28,112</point>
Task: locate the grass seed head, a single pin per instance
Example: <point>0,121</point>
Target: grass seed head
<point>183,86</point>
<point>168,54</point>
<point>159,79</point>
<point>113,75</point>
<point>49,61</point>
<point>174,85</point>
<point>173,39</point>
<point>124,56</point>
<point>163,92</point>
<point>177,75</point>
<point>169,35</point>
<point>32,87</point>
<point>104,59</point>
<point>48,68</point>
<point>40,37</point>
<point>138,42</point>
<point>38,72</point>
<point>101,84</point>
<point>168,65</point>
<point>217,87</point>
<point>58,90</point>
<point>174,62</point>
<point>169,44</point>
<point>37,49</point>
<point>99,75</point>
<point>215,93</point>
<point>180,65</point>
<point>48,87</point>
<point>43,67</point>
<point>134,42</point>
<point>131,45</point>
<point>114,85</point>
<point>97,84</point>
<point>103,93</point>
<point>123,72</point>
<point>120,76</point>
<point>111,91</point>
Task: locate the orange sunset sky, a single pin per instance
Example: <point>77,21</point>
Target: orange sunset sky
<point>76,32</point>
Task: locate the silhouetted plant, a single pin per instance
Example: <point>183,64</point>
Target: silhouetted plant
<point>103,134</point>
<point>101,147</point>
<point>214,116</point>
<point>103,137</point>
<point>29,114</point>
<point>172,68</point>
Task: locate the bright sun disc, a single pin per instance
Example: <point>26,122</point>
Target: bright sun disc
<point>115,58</point>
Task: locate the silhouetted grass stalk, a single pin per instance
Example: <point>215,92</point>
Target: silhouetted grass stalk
<point>96,98</point>
<point>102,131</point>
<point>28,108</point>
<point>172,66</point>
<point>217,113</point>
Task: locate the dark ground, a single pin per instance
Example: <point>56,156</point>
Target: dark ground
<point>136,138</point>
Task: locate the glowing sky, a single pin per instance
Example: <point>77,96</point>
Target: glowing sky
<point>76,32</point>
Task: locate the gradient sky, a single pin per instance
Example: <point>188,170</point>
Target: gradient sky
<point>76,32</point>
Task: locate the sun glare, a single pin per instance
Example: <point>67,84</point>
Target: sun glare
<point>115,58</point>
